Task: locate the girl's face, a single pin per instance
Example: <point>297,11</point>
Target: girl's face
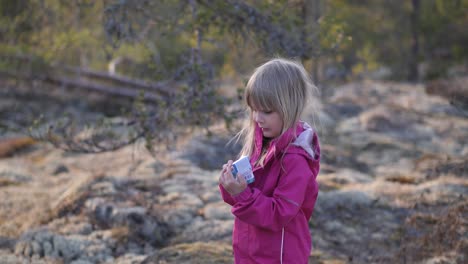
<point>269,121</point>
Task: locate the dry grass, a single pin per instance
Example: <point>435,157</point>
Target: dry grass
<point>8,182</point>
<point>454,90</point>
<point>438,233</point>
<point>71,200</point>
<point>194,253</point>
<point>403,179</point>
<point>10,146</point>
<point>120,234</point>
<point>319,257</point>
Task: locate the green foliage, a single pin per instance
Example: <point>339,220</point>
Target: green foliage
<point>190,43</point>
<point>443,30</point>
<point>380,32</point>
<point>157,35</point>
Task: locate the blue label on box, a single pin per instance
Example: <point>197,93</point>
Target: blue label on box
<point>234,171</point>
<point>242,166</point>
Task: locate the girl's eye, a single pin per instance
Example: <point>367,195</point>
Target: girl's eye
<point>266,112</point>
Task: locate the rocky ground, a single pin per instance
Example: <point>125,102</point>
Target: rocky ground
<point>393,189</point>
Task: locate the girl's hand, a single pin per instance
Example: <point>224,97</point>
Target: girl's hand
<point>232,185</point>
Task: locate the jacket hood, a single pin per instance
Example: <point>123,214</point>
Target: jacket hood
<point>308,141</point>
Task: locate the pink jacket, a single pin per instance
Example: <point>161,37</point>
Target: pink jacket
<point>272,213</point>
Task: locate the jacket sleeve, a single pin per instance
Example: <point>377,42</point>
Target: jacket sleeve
<point>226,196</point>
<point>273,213</point>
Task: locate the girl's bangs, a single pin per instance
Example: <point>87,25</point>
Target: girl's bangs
<point>259,98</point>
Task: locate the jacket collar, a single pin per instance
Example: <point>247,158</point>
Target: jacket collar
<point>277,145</point>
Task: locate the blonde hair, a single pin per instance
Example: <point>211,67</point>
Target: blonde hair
<point>279,85</point>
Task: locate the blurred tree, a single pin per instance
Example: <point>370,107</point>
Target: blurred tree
<point>444,37</point>
<point>194,26</point>
<point>402,35</point>
<point>157,36</point>
<point>413,73</point>
<point>186,44</point>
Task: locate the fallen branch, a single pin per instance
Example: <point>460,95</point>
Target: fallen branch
<point>159,87</point>
<point>119,91</point>
<point>55,73</point>
<point>65,82</point>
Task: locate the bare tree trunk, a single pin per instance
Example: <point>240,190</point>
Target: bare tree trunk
<point>413,74</point>
<point>196,56</point>
<point>112,66</point>
<point>305,29</point>
<point>315,12</point>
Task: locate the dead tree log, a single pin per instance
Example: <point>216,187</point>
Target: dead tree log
<point>75,77</point>
<point>162,87</point>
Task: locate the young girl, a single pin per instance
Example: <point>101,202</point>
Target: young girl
<point>272,213</point>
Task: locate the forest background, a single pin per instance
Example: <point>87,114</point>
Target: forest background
<point>415,40</point>
<point>99,79</point>
<point>191,44</point>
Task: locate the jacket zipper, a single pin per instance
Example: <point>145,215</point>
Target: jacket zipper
<point>282,245</point>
